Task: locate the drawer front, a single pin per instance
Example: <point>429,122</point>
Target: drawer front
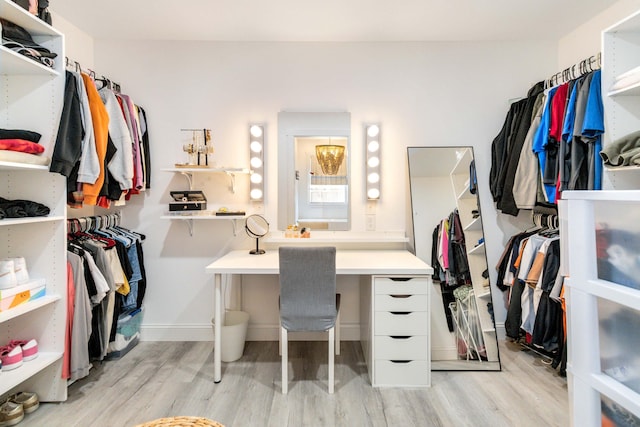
<point>401,285</point>
<point>390,323</point>
<point>401,302</point>
<point>401,348</point>
<point>396,374</point>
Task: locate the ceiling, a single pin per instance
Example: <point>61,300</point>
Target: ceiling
<point>329,20</point>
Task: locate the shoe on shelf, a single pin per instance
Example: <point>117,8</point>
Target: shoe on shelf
<point>20,268</point>
<point>29,348</point>
<point>11,358</point>
<point>7,274</point>
<point>11,413</point>
<point>28,400</point>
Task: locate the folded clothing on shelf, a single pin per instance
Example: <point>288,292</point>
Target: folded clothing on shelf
<point>14,296</point>
<point>21,208</point>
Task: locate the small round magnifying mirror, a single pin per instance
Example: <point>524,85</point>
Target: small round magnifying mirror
<point>257,227</point>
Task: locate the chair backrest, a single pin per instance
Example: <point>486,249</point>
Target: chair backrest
<point>307,288</point>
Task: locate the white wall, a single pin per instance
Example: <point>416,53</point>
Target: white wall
<point>421,93</point>
<point>585,40</point>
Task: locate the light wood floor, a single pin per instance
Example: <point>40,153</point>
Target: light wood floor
<point>158,379</point>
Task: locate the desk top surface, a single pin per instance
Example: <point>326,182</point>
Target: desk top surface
<point>347,262</point>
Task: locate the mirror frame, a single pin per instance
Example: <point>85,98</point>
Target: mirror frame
<point>305,124</point>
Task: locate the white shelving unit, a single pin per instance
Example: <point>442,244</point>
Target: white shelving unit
<point>230,172</point>
<point>603,306</point>
<point>31,99</point>
<point>620,54</point>
<point>467,202</point>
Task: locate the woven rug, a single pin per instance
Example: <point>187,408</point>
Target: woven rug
<point>181,422</point>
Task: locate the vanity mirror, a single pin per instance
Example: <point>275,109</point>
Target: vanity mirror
<point>448,234</point>
<point>313,175</point>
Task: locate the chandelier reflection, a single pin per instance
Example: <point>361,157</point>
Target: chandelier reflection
<point>330,158</point>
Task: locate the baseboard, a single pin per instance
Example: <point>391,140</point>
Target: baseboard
<point>444,353</point>
<point>265,332</point>
<point>199,332</point>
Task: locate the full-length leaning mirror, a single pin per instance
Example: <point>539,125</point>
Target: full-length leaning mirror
<point>313,174</point>
<point>448,234</point>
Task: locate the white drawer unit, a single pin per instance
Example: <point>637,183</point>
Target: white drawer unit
<point>401,347</point>
<point>400,335</point>
<point>401,323</point>
<point>401,285</point>
<point>413,373</point>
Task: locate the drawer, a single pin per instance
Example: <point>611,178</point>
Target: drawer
<point>397,323</point>
<point>401,302</point>
<point>402,373</point>
<point>401,285</point>
<point>401,347</point>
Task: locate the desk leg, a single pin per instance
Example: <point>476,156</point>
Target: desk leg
<point>217,340</point>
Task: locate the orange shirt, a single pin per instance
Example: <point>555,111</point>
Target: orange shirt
<point>100,119</point>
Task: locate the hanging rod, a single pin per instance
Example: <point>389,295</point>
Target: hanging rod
<point>592,63</point>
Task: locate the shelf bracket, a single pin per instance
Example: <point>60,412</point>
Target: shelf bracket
<point>232,177</point>
<point>189,177</point>
<point>235,227</point>
<point>190,225</point>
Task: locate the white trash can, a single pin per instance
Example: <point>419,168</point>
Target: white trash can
<point>234,333</point>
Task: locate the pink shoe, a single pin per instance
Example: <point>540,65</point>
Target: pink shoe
<point>29,348</point>
<point>11,357</point>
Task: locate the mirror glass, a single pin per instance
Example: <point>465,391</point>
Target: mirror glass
<point>313,175</point>
<point>257,227</point>
<point>448,235</point>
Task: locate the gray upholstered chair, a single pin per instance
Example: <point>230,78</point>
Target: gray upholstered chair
<point>308,300</point>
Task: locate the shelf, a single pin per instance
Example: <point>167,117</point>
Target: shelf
<point>30,220</point>
<point>466,194</point>
<point>624,169</point>
<point>14,166</point>
<point>12,378</point>
<point>203,215</point>
<point>478,250</point>
<point>488,330</point>
<point>616,391</point>
<point>189,172</point>
<point>36,27</point>
<point>464,160</point>
<point>27,307</point>
<point>632,90</point>
<point>485,294</point>
<point>16,64</point>
<point>475,225</point>
<point>339,237</point>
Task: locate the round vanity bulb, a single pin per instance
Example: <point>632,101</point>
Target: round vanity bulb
<point>256,131</point>
<point>373,130</point>
<point>256,178</point>
<point>373,193</point>
<point>373,146</point>
<point>256,193</point>
<point>373,162</point>
<point>256,146</point>
<point>256,162</point>
<point>373,178</point>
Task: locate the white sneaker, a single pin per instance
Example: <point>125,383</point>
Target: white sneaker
<point>20,267</point>
<point>7,274</point>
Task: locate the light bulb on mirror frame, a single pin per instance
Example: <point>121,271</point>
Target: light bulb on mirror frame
<point>373,193</point>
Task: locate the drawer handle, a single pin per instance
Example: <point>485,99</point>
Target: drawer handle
<point>400,337</point>
<point>400,279</point>
<point>400,361</point>
<point>400,296</point>
<point>400,313</point>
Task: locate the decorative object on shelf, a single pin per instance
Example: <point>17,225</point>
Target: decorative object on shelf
<point>257,227</point>
<point>372,142</point>
<point>188,201</point>
<point>256,154</point>
<point>330,157</point>
<point>198,149</point>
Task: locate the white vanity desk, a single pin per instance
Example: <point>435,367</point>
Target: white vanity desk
<point>394,308</point>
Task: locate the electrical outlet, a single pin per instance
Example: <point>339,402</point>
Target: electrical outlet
<point>371,223</point>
